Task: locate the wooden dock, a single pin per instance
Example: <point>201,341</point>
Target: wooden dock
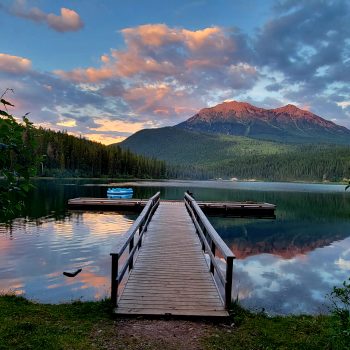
<point>235,209</point>
<point>87,203</point>
<point>170,275</point>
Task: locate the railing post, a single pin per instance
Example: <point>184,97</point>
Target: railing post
<point>131,246</point>
<point>213,248</point>
<point>146,226</point>
<point>140,239</point>
<point>114,279</point>
<point>228,284</point>
<point>204,230</point>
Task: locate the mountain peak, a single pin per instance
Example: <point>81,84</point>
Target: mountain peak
<point>287,122</point>
<point>233,106</point>
<point>291,109</point>
<point>227,110</point>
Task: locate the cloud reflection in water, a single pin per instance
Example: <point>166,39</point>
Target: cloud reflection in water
<point>33,258</point>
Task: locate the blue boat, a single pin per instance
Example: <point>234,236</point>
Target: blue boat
<point>120,191</point>
<point>120,196</point>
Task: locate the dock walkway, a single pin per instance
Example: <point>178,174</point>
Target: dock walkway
<point>170,275</point>
<point>235,209</point>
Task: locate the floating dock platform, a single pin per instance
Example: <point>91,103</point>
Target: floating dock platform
<point>234,209</point>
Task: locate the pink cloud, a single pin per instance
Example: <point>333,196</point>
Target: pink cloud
<point>89,75</point>
<point>213,36</point>
<point>161,99</point>
<point>67,21</point>
<point>160,51</point>
<point>14,64</point>
<point>151,35</point>
<point>170,72</point>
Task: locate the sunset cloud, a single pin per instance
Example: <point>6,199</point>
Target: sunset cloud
<point>67,21</point>
<point>158,52</point>
<point>14,64</point>
<point>168,73</point>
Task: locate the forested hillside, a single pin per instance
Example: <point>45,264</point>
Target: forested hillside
<point>66,155</point>
<point>198,155</point>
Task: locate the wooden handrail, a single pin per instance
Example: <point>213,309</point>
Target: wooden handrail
<point>204,230</point>
<point>139,225</point>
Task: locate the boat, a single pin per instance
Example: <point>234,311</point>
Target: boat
<point>119,191</point>
<point>120,196</point>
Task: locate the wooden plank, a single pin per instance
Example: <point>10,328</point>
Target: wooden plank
<point>187,305</point>
<point>165,311</point>
<point>171,275</point>
<point>185,290</point>
<point>165,296</point>
<point>169,283</point>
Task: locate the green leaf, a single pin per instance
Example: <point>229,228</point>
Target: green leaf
<point>4,113</point>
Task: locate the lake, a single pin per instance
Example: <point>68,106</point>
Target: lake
<point>284,265</point>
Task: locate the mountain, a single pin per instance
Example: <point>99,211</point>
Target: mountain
<point>287,124</point>
<point>236,139</point>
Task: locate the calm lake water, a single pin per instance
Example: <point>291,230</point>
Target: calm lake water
<point>285,265</point>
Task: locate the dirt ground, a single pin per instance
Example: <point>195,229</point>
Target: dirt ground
<point>147,334</point>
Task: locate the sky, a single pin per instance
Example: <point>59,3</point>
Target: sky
<point>104,69</point>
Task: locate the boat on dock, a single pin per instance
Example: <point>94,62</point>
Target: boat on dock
<point>119,191</point>
<point>120,196</point>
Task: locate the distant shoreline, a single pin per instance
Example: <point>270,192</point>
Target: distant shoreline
<point>315,182</point>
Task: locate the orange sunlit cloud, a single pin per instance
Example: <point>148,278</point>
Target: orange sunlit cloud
<point>14,64</point>
<point>134,60</point>
<point>117,125</point>
<point>67,21</point>
<point>67,123</point>
<point>105,139</point>
<point>208,36</point>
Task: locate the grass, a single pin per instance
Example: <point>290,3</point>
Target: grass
<point>258,331</point>
<point>90,325</point>
<point>28,325</point>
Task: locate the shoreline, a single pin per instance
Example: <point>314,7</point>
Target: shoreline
<point>315,182</point>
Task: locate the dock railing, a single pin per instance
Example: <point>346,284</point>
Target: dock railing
<point>211,243</point>
<point>140,226</point>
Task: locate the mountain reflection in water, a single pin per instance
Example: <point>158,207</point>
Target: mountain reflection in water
<point>290,264</point>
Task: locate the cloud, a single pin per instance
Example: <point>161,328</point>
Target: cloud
<point>14,64</point>
<point>67,21</point>
<point>293,39</point>
<point>307,45</point>
<point>167,73</point>
<point>306,38</point>
<point>157,52</point>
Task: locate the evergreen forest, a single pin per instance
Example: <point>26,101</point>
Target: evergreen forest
<point>198,155</point>
<point>66,155</point>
